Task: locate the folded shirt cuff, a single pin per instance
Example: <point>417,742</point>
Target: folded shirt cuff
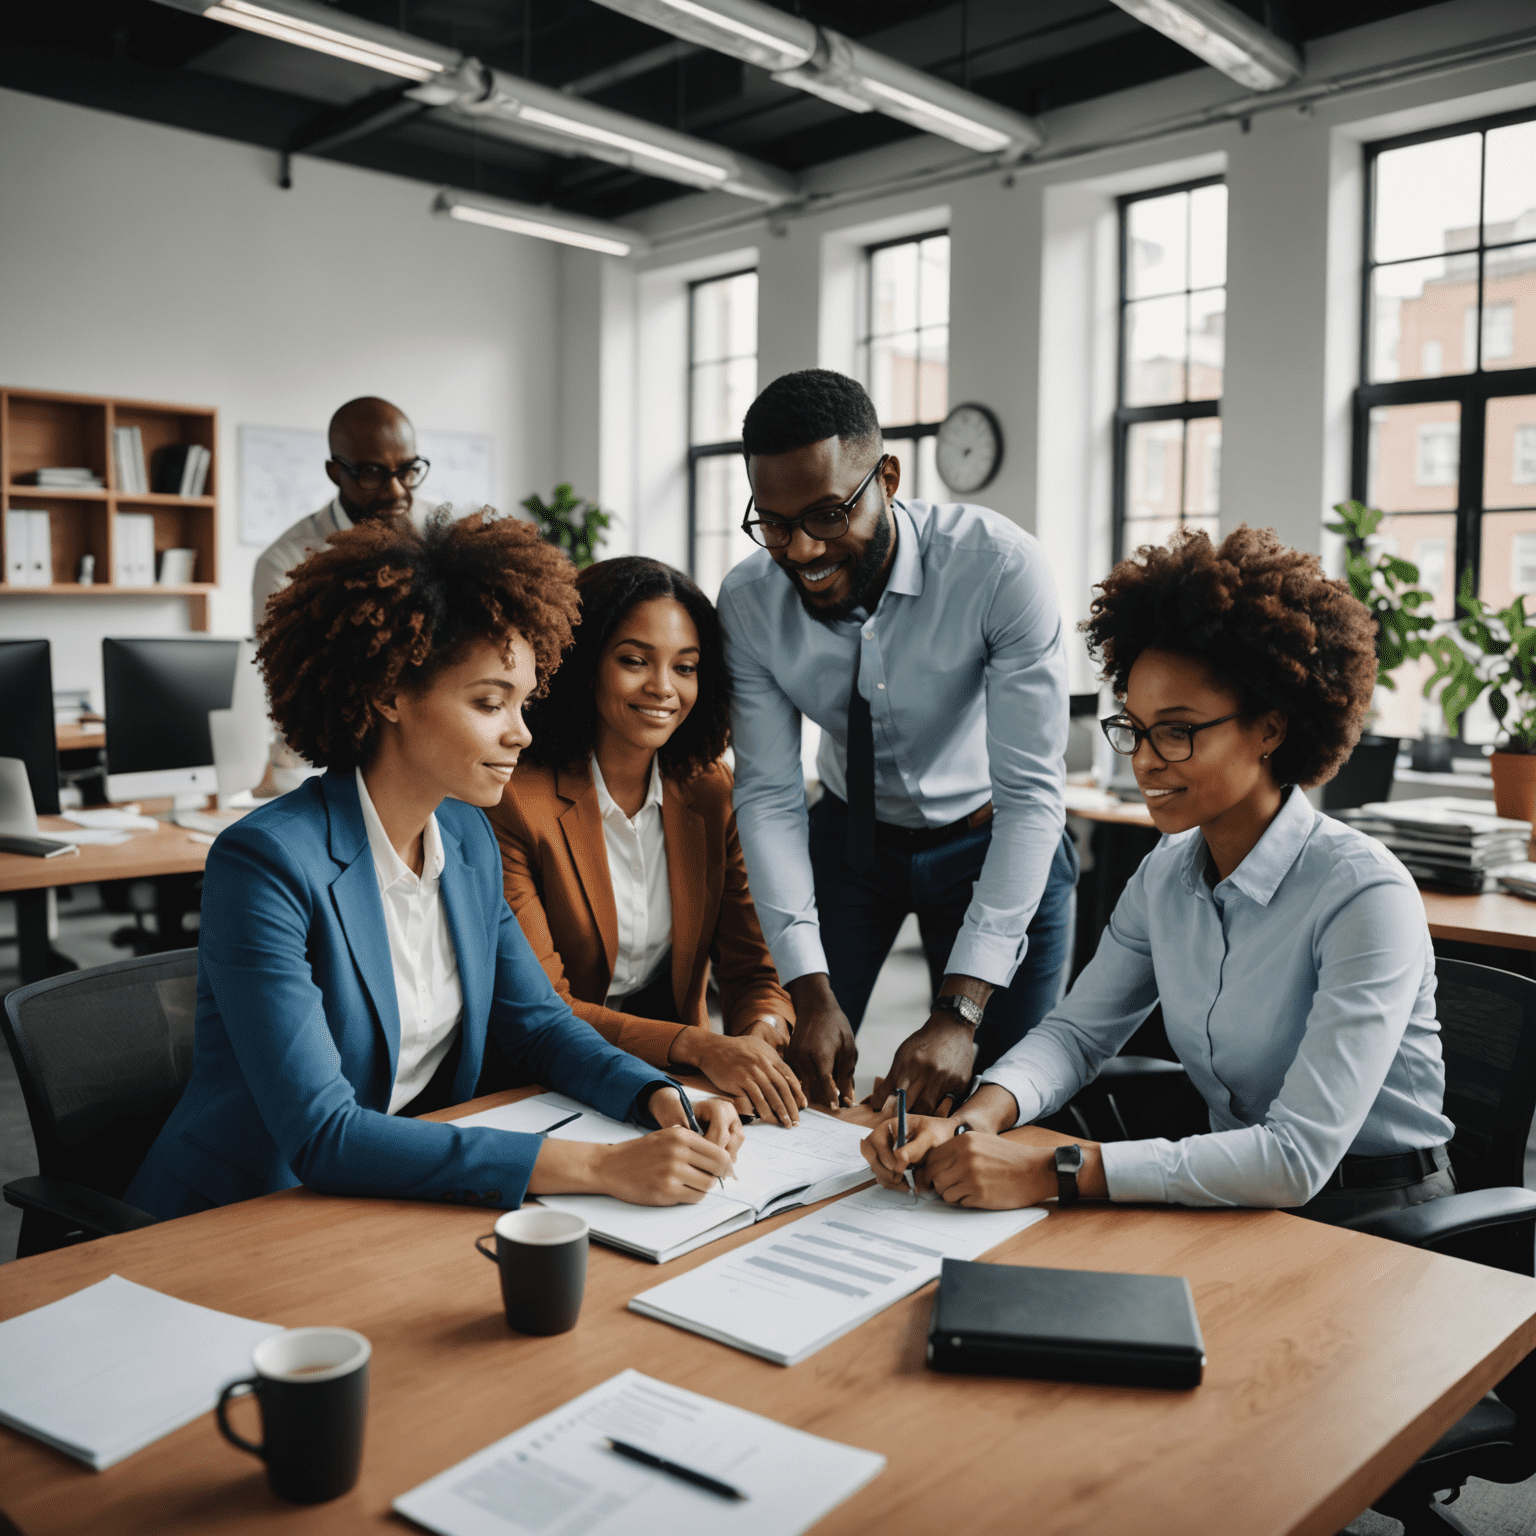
<point>1133,1171</point>
<point>988,959</point>
<point>1029,1098</point>
<point>798,952</point>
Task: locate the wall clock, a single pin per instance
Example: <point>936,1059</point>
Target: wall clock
<point>970,448</point>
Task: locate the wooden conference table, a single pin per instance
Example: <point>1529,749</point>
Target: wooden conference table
<point>1335,1360</point>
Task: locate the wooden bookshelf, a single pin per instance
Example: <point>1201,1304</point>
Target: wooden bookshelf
<point>40,429</point>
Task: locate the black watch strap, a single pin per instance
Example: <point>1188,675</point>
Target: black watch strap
<point>1069,1163</point>
<point>962,1007</point>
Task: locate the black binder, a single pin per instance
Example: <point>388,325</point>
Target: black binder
<point>1066,1325</point>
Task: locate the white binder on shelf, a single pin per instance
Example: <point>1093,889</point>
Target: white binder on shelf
<point>133,563</point>
<point>39,549</point>
<point>18,540</point>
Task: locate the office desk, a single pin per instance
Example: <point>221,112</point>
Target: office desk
<point>1334,1361</point>
<point>81,736</point>
<point>168,850</point>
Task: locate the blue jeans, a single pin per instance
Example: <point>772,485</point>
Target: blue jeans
<point>861,913</point>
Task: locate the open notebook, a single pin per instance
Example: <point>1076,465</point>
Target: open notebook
<point>776,1169</point>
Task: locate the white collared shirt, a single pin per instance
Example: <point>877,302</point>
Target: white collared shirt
<point>637,867</point>
<point>421,950</point>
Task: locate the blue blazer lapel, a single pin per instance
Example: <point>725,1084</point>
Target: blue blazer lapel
<point>475,950</point>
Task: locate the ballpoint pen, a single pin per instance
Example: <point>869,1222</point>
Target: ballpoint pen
<point>693,1125</point>
<point>672,1469</point>
<point>558,1123</point>
<point>901,1135</point>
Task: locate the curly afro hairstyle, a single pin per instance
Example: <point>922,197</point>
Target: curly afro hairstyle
<point>564,721</point>
<point>1264,619</point>
<point>385,606</point>
<point>808,407</point>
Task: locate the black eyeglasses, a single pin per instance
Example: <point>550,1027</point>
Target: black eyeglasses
<point>370,477</point>
<point>1172,740</point>
<point>821,524</point>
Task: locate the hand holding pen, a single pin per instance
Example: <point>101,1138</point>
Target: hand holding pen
<point>901,1135</point>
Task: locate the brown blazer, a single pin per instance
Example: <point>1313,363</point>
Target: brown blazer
<point>555,870</point>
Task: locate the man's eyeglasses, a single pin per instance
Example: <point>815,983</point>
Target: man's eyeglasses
<point>370,477</point>
<point>821,524</point>
<point>1172,740</point>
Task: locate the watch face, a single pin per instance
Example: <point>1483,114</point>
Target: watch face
<point>969,449</point>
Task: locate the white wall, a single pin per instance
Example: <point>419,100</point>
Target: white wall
<point>144,261</point>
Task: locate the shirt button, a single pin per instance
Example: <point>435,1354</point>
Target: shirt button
<point>879,685</point>
<point>869,634</point>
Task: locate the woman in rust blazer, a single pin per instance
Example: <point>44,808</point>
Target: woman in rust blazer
<point>619,846</point>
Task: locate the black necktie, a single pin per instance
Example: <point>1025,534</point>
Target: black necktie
<point>860,846</point>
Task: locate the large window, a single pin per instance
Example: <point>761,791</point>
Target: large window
<point>722,381</point>
<point>1445,416</point>
<point>1173,311</point>
<point>905,352</point>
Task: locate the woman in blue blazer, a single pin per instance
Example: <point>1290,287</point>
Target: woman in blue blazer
<point>356,949</point>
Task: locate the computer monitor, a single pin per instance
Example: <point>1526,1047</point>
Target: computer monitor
<point>26,718</point>
<point>158,694</point>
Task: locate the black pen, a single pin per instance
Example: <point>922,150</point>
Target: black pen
<point>901,1135</point>
<point>558,1123</point>
<point>693,1125</point>
<point>671,1468</point>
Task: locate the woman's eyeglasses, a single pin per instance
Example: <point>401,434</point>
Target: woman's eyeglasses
<point>821,524</point>
<point>370,477</point>
<point>1172,740</point>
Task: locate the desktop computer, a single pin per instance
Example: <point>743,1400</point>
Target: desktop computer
<point>26,718</point>
<point>158,695</point>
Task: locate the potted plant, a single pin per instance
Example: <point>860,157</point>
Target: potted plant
<point>1403,611</point>
<point>576,526</point>
<point>1494,652</point>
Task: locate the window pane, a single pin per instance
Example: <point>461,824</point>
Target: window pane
<point>929,486</point>
<point>1509,453</point>
<point>1414,457</point>
<point>725,318</point>
<point>893,378</point>
<point>1149,531</point>
<point>1509,198</point>
<point>720,492</point>
<point>933,281</point>
<point>1419,327</point>
<point>1207,343</point>
<point>1208,237</point>
<point>1430,544</point>
<point>721,394</point>
<point>1156,245</point>
<point>1427,198</point>
<point>1509,307</point>
<point>893,289</point>
<point>1202,467</point>
<point>1154,351</point>
<point>933,375</point>
<point>1509,557</point>
<point>1154,464</point>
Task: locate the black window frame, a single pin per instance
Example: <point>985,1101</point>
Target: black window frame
<point>1128,416</point>
<point>1471,391</point>
<point>699,451</point>
<point>912,430</point>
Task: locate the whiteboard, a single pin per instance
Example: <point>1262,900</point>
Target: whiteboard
<point>283,479</point>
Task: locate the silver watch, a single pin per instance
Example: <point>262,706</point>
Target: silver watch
<point>952,1002</point>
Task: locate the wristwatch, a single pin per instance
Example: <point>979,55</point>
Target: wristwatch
<point>952,1002</point>
<point>1069,1163</point>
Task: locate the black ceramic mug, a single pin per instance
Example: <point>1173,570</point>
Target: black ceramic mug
<point>312,1385</point>
<point>542,1256</point>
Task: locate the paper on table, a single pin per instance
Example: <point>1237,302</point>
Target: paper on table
<point>87,837</point>
<point>101,1374</point>
<point>112,818</point>
<point>558,1475</point>
<point>794,1291</point>
<point>535,1115</point>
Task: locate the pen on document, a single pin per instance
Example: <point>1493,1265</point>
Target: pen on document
<point>558,1123</point>
<point>901,1135</point>
<point>693,1125</point>
<point>672,1469</point>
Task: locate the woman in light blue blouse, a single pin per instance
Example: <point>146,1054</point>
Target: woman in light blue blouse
<point>1290,953</point>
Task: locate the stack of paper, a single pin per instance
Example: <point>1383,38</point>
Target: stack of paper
<point>794,1291</point>
<point>103,1373</point>
<point>777,1168</point>
<point>63,479</point>
<point>1447,840</point>
<point>558,1474</point>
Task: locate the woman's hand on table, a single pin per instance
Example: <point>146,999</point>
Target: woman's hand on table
<point>748,1068</point>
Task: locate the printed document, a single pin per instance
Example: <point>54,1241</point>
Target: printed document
<point>795,1290</point>
<point>557,1475</point>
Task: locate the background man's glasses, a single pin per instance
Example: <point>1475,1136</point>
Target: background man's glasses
<point>1172,740</point>
<point>822,524</point>
<point>370,477</point>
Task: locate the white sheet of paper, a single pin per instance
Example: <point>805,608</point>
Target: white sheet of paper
<point>87,837</point>
<point>111,818</point>
<point>103,1373</point>
<point>558,1474</point>
<point>795,1290</point>
<point>543,1110</point>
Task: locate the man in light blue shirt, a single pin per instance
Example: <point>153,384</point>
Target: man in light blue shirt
<point>926,642</point>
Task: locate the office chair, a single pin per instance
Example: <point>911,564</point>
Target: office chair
<point>103,1055</point>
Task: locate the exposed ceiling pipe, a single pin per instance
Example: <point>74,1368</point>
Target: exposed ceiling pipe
<point>1224,37</point>
<point>839,70</point>
<point>470,94</point>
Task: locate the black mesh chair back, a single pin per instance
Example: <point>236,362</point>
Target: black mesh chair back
<point>103,1055</point>
<point>1488,1037</point>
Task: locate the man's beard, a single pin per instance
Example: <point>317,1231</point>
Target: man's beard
<point>860,578</point>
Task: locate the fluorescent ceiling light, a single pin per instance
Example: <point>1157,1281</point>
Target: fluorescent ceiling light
<point>759,34</point>
<point>309,34</point>
<point>1224,37</point>
<point>936,119</point>
<point>557,122</point>
<point>541,224</point>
